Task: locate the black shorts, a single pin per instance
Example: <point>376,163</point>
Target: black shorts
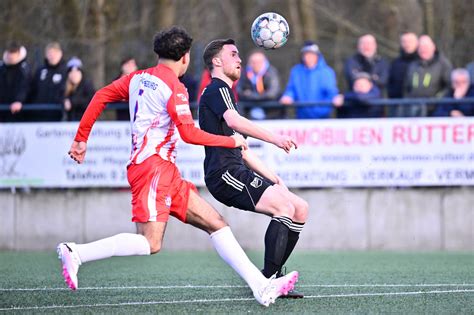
<point>239,187</point>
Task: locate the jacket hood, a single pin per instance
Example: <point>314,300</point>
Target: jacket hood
<point>23,54</point>
<point>321,62</point>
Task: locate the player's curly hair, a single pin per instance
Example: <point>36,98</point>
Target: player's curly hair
<point>214,48</point>
<point>172,43</point>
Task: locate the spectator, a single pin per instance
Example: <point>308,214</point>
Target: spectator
<point>127,66</point>
<point>14,82</point>
<point>191,85</point>
<point>79,91</point>
<point>311,81</point>
<point>399,66</point>
<point>367,60</point>
<point>426,77</point>
<point>259,83</point>
<point>48,85</point>
<point>461,87</point>
<point>206,79</point>
<point>353,104</point>
<point>470,69</point>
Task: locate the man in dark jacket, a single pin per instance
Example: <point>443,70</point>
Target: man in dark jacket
<point>259,83</point>
<point>48,84</point>
<point>367,60</point>
<point>427,77</point>
<point>14,82</point>
<point>399,66</point>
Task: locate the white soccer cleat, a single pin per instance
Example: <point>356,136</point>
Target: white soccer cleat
<point>276,287</point>
<point>71,262</point>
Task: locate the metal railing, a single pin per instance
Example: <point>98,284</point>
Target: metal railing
<point>273,104</point>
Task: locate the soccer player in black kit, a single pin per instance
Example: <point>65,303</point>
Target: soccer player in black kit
<point>238,178</point>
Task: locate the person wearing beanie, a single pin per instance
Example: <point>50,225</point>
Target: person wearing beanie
<point>79,91</point>
<point>312,80</point>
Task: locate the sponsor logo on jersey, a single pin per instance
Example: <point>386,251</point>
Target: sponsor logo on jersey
<point>150,84</point>
<point>182,96</point>
<point>183,109</point>
<point>168,201</point>
<point>257,182</point>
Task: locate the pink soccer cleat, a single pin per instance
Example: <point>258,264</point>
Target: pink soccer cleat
<point>71,262</point>
<point>276,287</point>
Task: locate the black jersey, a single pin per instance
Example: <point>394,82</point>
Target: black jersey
<point>215,100</point>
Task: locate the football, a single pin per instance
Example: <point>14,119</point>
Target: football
<point>270,31</point>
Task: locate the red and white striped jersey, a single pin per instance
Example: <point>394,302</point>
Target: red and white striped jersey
<point>159,105</point>
<point>158,101</point>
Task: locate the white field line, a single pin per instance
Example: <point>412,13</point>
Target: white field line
<point>26,308</point>
<point>168,287</point>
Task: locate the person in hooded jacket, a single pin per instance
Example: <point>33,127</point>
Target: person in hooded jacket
<point>79,91</point>
<point>14,82</point>
<point>312,80</point>
<point>429,76</point>
<point>48,85</point>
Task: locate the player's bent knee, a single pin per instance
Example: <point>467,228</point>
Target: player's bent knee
<point>301,210</point>
<point>285,209</point>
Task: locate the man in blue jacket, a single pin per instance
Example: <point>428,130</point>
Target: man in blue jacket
<point>311,81</point>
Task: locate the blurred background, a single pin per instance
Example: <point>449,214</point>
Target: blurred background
<point>103,32</point>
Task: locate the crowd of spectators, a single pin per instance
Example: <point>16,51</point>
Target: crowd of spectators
<point>420,71</point>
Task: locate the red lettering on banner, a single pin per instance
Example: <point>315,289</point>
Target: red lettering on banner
<point>363,136</point>
<point>470,133</point>
<point>457,134</point>
<point>432,133</point>
<point>398,134</point>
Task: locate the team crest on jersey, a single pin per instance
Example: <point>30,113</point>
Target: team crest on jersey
<point>168,201</point>
<point>182,97</point>
<point>257,182</point>
<point>183,109</point>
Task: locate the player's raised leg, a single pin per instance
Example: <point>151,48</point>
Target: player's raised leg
<point>72,255</point>
<point>202,215</point>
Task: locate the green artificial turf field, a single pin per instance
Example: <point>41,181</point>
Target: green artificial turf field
<point>199,282</point>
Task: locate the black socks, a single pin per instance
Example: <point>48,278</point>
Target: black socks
<point>280,240</point>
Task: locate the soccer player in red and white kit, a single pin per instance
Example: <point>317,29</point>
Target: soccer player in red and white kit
<point>159,108</point>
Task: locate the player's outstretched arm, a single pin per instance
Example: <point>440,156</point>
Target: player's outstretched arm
<point>259,167</point>
<point>193,135</point>
<point>247,127</point>
<point>116,91</point>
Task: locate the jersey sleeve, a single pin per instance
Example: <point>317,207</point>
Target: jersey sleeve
<point>222,100</point>
<point>114,92</point>
<point>180,113</point>
<point>178,106</point>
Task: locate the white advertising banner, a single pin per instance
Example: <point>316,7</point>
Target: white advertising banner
<point>331,153</point>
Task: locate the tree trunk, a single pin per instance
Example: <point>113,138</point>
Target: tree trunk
<point>308,20</point>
